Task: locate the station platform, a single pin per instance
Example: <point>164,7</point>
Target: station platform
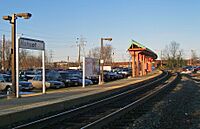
<point>31,102</point>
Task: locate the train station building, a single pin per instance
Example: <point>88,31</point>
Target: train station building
<point>142,59</point>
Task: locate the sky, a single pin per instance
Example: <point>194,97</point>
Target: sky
<point>153,23</point>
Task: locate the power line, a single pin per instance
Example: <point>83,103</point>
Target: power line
<point>49,38</point>
<point>47,32</point>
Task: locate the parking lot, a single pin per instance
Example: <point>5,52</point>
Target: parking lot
<point>30,81</point>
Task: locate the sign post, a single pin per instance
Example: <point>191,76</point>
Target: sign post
<point>83,73</point>
<point>43,73</point>
<point>33,44</point>
<point>17,69</point>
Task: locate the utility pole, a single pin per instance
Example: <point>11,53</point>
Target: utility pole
<point>67,58</point>
<point>79,51</point>
<point>102,60</point>
<point>161,61</point>
<point>3,52</point>
<point>51,59</point>
<point>192,58</point>
<point>51,55</point>
<point>13,53</point>
<point>81,46</point>
<point>68,62</point>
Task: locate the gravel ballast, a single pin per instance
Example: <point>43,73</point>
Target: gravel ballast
<point>179,109</point>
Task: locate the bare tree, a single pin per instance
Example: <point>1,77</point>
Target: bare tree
<point>107,53</point>
<point>194,58</point>
<point>173,55</point>
<point>180,61</point>
<point>23,54</point>
<point>26,60</point>
<point>94,53</point>
<point>7,54</point>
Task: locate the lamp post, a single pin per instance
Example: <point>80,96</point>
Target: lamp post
<point>102,59</point>
<point>12,20</point>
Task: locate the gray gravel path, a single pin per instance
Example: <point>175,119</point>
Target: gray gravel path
<point>180,109</point>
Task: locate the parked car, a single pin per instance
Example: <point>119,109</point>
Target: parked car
<point>53,75</point>
<point>123,71</point>
<point>78,74</point>
<point>197,68</point>
<point>108,76</point>
<point>73,78</point>
<point>187,69</point>
<point>87,82</point>
<point>6,82</point>
<point>5,85</point>
<point>23,85</point>
<point>27,74</point>
<point>69,78</point>
<point>94,79</point>
<point>37,83</point>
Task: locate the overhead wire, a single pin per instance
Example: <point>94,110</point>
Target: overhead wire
<point>59,43</point>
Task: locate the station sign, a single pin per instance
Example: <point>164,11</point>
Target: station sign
<point>33,44</point>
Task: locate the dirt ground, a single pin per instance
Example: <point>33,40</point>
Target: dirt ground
<point>179,109</point>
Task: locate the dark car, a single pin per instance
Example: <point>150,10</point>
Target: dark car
<point>25,86</point>
<point>73,78</point>
<point>27,75</point>
<point>109,76</point>
<point>94,79</point>
<point>197,68</point>
<point>70,78</point>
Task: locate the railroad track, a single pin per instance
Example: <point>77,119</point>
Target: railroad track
<point>129,119</point>
<point>98,113</point>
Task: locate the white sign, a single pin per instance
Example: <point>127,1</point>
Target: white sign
<point>92,66</point>
<point>34,44</point>
<point>101,61</point>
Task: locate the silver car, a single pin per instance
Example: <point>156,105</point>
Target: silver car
<point>5,85</point>
<point>37,83</point>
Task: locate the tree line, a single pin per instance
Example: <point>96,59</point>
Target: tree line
<point>174,56</point>
<point>27,60</point>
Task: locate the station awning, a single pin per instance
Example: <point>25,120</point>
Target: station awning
<point>135,46</point>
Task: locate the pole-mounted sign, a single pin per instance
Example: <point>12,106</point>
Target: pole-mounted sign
<point>33,44</point>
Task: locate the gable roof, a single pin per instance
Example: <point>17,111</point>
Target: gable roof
<point>136,44</point>
<point>144,50</point>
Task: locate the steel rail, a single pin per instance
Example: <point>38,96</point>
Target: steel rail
<point>87,106</point>
<point>116,114</point>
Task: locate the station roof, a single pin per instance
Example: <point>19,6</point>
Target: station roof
<point>135,46</point>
